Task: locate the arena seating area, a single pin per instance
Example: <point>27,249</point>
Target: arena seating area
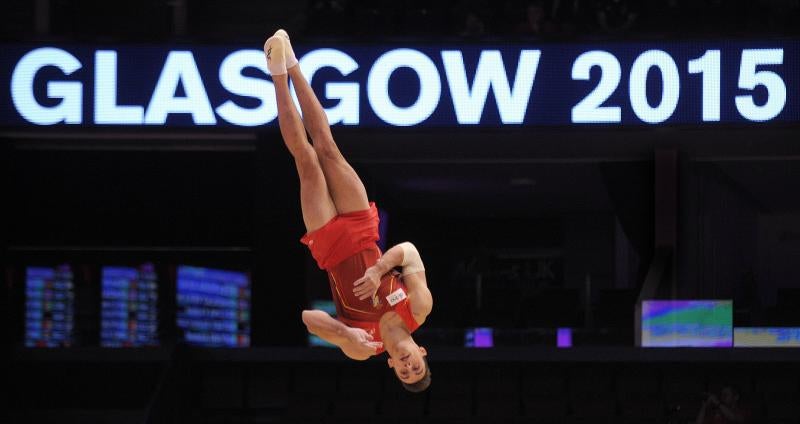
<point>332,391</point>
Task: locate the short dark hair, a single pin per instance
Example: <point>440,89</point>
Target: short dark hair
<point>423,383</point>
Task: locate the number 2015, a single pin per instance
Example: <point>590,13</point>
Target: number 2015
<point>591,109</point>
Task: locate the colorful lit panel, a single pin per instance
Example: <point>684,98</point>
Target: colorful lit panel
<point>564,337</point>
<point>687,323</point>
<point>49,306</point>
<point>213,307</point>
<point>129,310</point>
<point>766,337</point>
<point>481,337</point>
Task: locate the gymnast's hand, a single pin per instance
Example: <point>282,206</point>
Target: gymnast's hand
<point>361,343</point>
<point>367,286</point>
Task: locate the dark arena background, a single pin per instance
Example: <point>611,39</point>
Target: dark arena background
<point>605,194</point>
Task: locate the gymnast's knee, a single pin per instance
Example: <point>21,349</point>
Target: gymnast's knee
<point>326,149</point>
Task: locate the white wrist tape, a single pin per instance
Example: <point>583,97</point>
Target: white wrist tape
<point>412,262</point>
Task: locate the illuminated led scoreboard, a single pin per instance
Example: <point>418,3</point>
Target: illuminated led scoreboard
<point>615,84</point>
<point>213,307</point>
<point>49,306</point>
<point>129,315</point>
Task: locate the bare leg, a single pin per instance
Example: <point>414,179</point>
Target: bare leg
<point>345,186</point>
<point>315,200</point>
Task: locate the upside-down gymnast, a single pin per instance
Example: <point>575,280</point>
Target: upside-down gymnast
<point>377,308</point>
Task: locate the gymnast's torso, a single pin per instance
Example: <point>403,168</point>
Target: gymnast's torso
<point>366,314</point>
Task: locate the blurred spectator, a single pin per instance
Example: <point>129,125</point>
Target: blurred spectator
<point>723,408</point>
<point>474,27</point>
<point>536,20</point>
<point>473,19</point>
<point>616,16</point>
<point>476,19</point>
<point>563,14</point>
<point>473,16</point>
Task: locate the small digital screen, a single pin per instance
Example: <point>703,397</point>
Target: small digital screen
<point>766,337</point>
<point>479,337</point>
<point>49,306</point>
<point>329,307</point>
<point>129,311</point>
<point>564,337</point>
<point>687,323</point>
<point>213,307</point>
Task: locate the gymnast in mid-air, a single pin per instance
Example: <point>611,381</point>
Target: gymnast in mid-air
<point>377,307</point>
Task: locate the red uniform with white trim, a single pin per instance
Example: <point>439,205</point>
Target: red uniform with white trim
<point>345,247</point>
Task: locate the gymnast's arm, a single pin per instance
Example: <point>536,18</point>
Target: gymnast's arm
<point>407,256</point>
<point>354,342</point>
<point>419,295</point>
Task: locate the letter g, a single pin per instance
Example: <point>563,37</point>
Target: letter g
<point>69,110</point>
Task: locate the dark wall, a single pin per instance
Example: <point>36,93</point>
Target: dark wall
<point>589,249</point>
<point>132,198</point>
<point>719,231</point>
<point>779,248</point>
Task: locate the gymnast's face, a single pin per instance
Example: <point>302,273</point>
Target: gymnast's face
<point>408,364</point>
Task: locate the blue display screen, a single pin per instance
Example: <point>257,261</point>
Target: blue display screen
<point>213,307</point>
<point>49,306</point>
<point>129,310</point>
<point>534,84</point>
